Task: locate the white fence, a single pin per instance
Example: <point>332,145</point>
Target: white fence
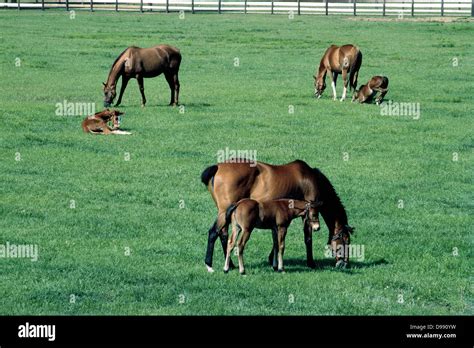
<point>325,7</point>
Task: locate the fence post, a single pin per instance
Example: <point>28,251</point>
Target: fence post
<point>219,7</point>
<point>42,5</point>
<point>412,8</point>
<point>383,8</point>
<point>327,8</point>
<point>355,6</point>
<point>442,8</point>
<point>299,7</point>
<point>141,5</point>
<point>245,7</point>
<point>67,5</point>
<point>19,8</point>
<point>92,5</point>
<point>167,6</point>
<point>116,5</point>
<point>472,8</point>
<point>192,6</point>
<point>272,7</point>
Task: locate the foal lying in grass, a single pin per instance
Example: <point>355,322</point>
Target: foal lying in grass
<point>98,123</point>
<point>276,215</point>
<point>368,91</point>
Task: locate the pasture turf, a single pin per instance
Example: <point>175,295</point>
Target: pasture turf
<point>407,195</point>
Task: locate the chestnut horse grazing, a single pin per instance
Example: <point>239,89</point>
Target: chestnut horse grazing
<point>139,63</point>
<point>368,91</point>
<point>275,215</point>
<point>343,60</point>
<point>228,183</point>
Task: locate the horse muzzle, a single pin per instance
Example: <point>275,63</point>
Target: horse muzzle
<point>315,226</point>
<point>106,104</point>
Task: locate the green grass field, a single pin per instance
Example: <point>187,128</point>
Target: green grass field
<point>408,197</point>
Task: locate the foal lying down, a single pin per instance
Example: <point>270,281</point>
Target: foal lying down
<point>275,215</point>
<point>368,91</point>
<point>98,123</point>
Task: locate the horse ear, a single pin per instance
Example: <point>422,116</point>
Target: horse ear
<point>104,84</point>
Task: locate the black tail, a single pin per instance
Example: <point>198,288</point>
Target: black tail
<point>208,173</point>
<point>228,213</point>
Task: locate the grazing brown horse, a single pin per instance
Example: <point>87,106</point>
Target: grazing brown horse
<point>368,91</point>
<point>275,215</point>
<point>343,60</point>
<point>139,63</point>
<point>98,123</point>
<point>230,182</point>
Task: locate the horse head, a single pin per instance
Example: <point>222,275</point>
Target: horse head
<point>109,94</point>
<point>319,86</point>
<point>311,215</point>
<point>340,245</point>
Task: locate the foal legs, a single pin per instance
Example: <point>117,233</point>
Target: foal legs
<point>122,89</point>
<point>213,234</point>
<point>381,96</point>
<point>241,246</point>
<point>236,229</point>
<point>142,89</point>
<point>281,247</point>
<point>308,241</point>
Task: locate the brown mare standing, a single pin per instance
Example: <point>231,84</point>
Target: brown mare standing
<point>343,60</point>
<point>139,63</point>
<point>366,92</point>
<point>230,182</point>
<point>275,215</point>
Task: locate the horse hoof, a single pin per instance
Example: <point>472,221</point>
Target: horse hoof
<point>226,271</point>
<point>242,273</point>
<point>275,268</point>
<point>210,269</point>
<point>281,271</point>
<point>311,264</point>
<point>341,100</point>
<point>341,264</point>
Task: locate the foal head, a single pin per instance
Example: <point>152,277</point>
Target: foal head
<point>109,94</point>
<point>319,86</point>
<point>311,215</point>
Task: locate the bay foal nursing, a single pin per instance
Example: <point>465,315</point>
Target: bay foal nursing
<point>228,183</point>
<point>345,60</point>
<point>138,63</point>
<point>275,215</point>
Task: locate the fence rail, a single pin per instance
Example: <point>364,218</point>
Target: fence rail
<point>325,7</point>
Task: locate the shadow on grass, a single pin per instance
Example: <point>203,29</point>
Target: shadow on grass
<point>299,265</point>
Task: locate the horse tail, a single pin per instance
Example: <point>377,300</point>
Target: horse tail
<point>228,213</point>
<point>355,70</point>
<point>208,174</point>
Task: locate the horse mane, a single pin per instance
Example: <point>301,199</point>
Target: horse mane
<point>332,201</point>
<point>117,59</point>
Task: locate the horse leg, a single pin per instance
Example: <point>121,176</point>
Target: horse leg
<point>230,245</point>
<point>210,246</point>
<point>333,76</point>
<point>281,247</point>
<point>308,241</point>
<point>346,82</point>
<point>381,96</point>
<point>122,89</point>
<point>170,79</point>
<point>176,88</point>
<point>274,253</point>
<point>241,246</point>
<point>142,89</point>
